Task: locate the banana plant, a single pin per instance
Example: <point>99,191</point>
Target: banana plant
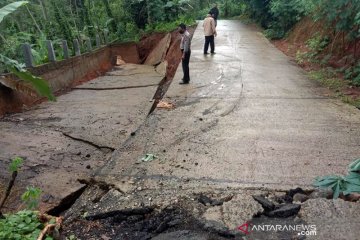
<point>342,184</point>
<point>39,84</point>
<point>10,8</point>
<point>18,69</point>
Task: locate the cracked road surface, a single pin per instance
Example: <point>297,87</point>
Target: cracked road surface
<point>250,121</point>
<point>249,118</point>
<point>65,140</point>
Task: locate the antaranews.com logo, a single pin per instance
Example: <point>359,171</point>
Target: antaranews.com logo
<point>301,229</point>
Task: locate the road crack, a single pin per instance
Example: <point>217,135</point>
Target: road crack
<point>114,88</point>
<point>88,142</point>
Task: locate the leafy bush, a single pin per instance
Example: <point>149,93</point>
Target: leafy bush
<point>231,8</point>
<point>200,15</point>
<point>31,197</point>
<point>285,14</point>
<point>341,15</point>
<point>168,26</point>
<point>317,43</point>
<point>328,77</point>
<point>342,184</point>
<point>260,11</point>
<point>15,164</point>
<point>23,225</point>
<point>353,74</point>
<point>274,33</point>
<point>301,57</point>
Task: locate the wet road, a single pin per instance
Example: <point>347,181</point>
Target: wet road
<point>250,122</point>
<point>250,118</point>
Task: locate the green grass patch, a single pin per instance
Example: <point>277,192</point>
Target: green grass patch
<point>328,78</point>
<point>169,26</point>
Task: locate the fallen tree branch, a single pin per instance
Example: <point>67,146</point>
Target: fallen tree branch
<point>51,229</point>
<point>44,232</point>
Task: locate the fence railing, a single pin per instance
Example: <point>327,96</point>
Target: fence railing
<point>29,59</point>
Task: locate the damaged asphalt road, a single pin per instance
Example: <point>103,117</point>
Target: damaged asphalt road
<point>66,140</point>
<point>231,152</point>
<point>250,123</point>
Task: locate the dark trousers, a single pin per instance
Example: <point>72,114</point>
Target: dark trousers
<point>209,40</point>
<point>185,67</point>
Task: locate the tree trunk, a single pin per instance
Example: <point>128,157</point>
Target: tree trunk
<point>32,17</point>
<point>149,18</point>
<point>110,15</point>
<point>73,17</point>
<point>43,9</point>
<point>84,17</point>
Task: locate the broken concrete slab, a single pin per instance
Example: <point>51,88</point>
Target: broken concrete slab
<point>334,219</point>
<point>50,159</point>
<point>265,203</point>
<point>158,54</point>
<point>64,140</point>
<point>213,214</point>
<point>162,68</point>
<point>239,210</point>
<point>284,211</point>
<point>300,198</point>
<point>182,235</point>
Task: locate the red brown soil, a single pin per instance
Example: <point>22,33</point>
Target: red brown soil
<point>173,56</point>
<point>148,43</point>
<point>343,54</point>
<point>103,68</point>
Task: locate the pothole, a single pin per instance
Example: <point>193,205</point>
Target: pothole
<point>173,222</point>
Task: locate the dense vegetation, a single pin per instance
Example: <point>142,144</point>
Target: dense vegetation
<point>123,20</point>
<point>127,20</point>
<point>339,34</point>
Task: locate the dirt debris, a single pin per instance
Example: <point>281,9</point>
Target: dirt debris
<point>165,105</point>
